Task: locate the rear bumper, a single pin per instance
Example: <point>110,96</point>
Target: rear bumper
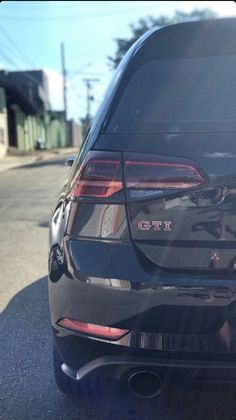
<point>184,323</point>
<point>120,368</point>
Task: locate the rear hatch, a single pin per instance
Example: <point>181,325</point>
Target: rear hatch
<point>174,119</point>
<point>177,225</point>
<point>181,210</point>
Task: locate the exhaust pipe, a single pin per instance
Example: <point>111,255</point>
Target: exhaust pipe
<point>145,384</point>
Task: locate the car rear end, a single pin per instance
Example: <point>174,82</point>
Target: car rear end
<point>142,260</point>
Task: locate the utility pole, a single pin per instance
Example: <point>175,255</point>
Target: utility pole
<point>88,83</point>
<point>63,64</point>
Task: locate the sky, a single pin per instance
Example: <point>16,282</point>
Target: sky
<point>32,31</point>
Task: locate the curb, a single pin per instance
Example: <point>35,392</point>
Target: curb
<point>11,162</point>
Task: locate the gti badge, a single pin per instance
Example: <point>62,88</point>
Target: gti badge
<point>157,225</point>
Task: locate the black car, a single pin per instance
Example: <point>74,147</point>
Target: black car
<point>142,261</point>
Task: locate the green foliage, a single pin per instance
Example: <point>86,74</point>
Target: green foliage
<point>149,22</point>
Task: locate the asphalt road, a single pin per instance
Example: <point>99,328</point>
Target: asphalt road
<point>27,388</point>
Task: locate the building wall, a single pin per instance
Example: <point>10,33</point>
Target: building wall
<point>50,131</point>
<point>75,134</point>
<point>29,129</point>
<point>28,91</point>
<point>40,129</point>
<point>46,126</point>
<point>30,82</point>
<point>56,132</point>
<point>3,124</point>
<point>23,136</point>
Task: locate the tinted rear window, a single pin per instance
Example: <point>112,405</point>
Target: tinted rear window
<point>179,95</point>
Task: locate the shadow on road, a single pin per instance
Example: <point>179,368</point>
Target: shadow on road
<point>44,224</point>
<point>42,163</point>
<point>27,385</point>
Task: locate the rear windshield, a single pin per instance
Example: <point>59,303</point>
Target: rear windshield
<point>179,95</point>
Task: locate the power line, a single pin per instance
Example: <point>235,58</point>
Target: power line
<point>16,66</point>
<point>85,16</point>
<point>27,5</point>
<point>16,47</point>
<point>13,63</point>
<point>74,89</point>
<point>8,59</point>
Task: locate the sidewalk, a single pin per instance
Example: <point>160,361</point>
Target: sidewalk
<point>16,159</point>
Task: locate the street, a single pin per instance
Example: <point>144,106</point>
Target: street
<point>27,387</point>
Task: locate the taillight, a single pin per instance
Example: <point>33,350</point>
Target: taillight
<point>152,173</point>
<point>100,175</point>
<point>92,329</point>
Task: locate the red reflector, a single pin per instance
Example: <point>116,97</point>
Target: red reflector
<point>100,175</point>
<point>101,189</point>
<point>92,329</point>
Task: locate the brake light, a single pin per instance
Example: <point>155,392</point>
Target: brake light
<point>92,329</point>
<point>144,175</point>
<point>100,175</point>
<point>159,175</point>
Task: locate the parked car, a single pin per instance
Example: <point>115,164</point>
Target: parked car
<point>142,254</point>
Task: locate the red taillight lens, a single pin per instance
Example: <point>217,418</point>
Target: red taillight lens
<point>157,175</point>
<point>100,175</point>
<point>92,329</point>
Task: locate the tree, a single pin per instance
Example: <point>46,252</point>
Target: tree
<point>149,22</point>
